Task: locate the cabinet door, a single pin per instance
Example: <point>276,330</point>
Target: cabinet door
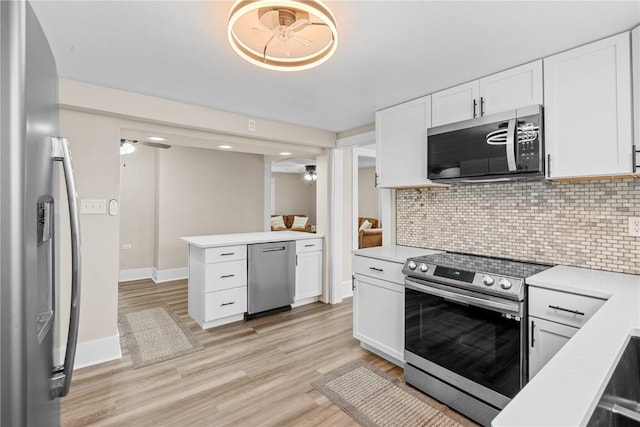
<point>517,87</point>
<point>378,315</point>
<point>401,144</point>
<point>635,57</point>
<point>455,104</point>
<point>308,275</point>
<point>587,93</point>
<point>545,340</point>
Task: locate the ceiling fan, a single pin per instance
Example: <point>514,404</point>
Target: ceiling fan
<point>283,24</point>
<point>127,145</point>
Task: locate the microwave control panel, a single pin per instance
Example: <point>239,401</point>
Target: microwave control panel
<point>528,147</point>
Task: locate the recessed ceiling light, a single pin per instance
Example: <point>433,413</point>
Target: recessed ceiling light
<point>225,147</point>
<point>156,138</point>
<point>285,153</point>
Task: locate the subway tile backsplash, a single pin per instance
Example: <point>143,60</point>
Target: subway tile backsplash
<point>577,223</point>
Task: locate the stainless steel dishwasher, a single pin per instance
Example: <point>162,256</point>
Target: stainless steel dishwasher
<point>271,280</point>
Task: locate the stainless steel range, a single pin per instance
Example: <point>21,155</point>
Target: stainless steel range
<point>466,331</point>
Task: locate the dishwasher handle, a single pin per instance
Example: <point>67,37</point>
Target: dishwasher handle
<point>278,249</point>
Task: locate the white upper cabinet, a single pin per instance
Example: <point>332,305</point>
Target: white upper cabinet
<point>455,104</point>
<point>635,57</point>
<point>511,89</point>
<point>587,93</point>
<point>507,90</point>
<point>401,144</point>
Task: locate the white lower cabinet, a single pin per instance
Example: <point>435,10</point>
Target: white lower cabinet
<point>378,307</point>
<point>555,317</point>
<point>308,271</point>
<point>546,339</point>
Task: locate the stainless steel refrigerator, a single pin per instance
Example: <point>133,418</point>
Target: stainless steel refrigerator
<point>30,155</point>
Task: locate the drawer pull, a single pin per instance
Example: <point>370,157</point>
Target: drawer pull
<point>227,303</point>
<point>226,276</point>
<point>555,307</point>
<point>376,269</point>
<point>309,246</point>
<point>533,333</point>
<point>228,253</point>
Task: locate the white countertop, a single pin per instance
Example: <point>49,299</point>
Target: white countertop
<point>567,389</point>
<point>247,238</point>
<point>394,253</point>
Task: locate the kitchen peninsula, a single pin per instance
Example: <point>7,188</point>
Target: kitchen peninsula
<point>218,272</point>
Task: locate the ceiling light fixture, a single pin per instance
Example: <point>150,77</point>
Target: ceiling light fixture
<point>284,35</point>
<point>156,138</point>
<point>225,147</point>
<point>285,153</point>
<point>310,175</point>
<point>126,146</point>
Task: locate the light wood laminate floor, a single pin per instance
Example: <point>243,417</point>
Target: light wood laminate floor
<point>250,373</point>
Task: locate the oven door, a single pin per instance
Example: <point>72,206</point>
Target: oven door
<point>473,342</point>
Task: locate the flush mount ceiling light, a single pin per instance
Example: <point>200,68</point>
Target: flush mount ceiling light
<point>225,147</point>
<point>285,153</point>
<point>310,175</point>
<point>283,35</point>
<point>156,138</point>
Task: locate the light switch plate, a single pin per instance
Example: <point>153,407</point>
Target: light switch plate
<point>93,206</point>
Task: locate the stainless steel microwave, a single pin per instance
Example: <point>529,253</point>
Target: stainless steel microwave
<point>498,147</point>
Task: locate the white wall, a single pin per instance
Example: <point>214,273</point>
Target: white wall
<point>368,205</point>
<point>294,195</point>
<point>203,192</point>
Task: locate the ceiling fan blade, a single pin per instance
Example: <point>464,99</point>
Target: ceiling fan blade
<point>305,42</point>
<point>270,20</point>
<point>299,24</point>
<point>155,144</point>
<point>266,45</point>
<point>262,30</point>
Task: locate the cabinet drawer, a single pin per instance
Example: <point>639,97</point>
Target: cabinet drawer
<point>385,270</point>
<point>308,245</point>
<point>225,303</point>
<point>225,275</point>
<point>225,253</point>
<point>562,307</point>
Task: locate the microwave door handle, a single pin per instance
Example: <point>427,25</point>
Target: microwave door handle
<point>510,145</point>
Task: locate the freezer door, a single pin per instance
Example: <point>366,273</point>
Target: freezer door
<point>29,118</point>
<point>271,275</point>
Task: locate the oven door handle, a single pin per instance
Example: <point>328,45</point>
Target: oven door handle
<point>465,299</point>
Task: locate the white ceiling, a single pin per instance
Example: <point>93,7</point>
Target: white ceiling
<point>388,52</point>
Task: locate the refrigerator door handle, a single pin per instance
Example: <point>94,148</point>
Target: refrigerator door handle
<point>61,376</point>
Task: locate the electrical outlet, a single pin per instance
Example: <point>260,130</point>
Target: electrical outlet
<point>252,125</point>
<point>126,246</point>
<point>634,226</point>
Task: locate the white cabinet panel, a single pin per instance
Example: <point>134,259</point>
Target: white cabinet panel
<point>225,303</point>
<point>401,144</point>
<point>378,268</point>
<point>378,315</point>
<point>635,57</point>
<point>562,307</point>
<point>545,340</point>
<point>587,94</point>
<point>308,245</point>
<point>455,104</point>
<point>225,253</point>
<point>308,274</point>
<point>514,88</point>
<point>225,275</point>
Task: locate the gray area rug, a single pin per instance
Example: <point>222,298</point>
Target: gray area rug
<point>156,334</point>
<point>374,399</point>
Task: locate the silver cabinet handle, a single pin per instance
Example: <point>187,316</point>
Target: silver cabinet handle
<point>61,378</point>
<point>634,154</point>
<point>475,104</point>
<point>227,303</point>
<point>309,246</point>
<point>533,333</point>
<point>548,165</point>
<point>482,106</point>
<point>555,307</point>
<point>228,253</point>
<point>376,269</point>
<point>353,282</point>
<point>226,276</point>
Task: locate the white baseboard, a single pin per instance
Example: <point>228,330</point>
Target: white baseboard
<point>347,290</point>
<point>135,274</point>
<point>93,352</point>
<point>159,276</point>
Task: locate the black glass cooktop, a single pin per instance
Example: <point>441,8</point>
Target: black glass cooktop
<point>481,264</point>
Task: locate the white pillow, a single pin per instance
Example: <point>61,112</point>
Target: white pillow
<point>365,225</point>
<point>277,222</point>
<point>299,222</point>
